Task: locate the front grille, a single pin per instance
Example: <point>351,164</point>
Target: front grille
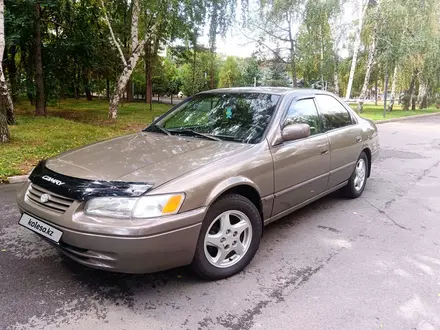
<point>56,203</point>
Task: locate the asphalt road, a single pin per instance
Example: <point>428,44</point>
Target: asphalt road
<point>370,263</point>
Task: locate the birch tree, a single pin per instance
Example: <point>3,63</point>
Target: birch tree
<point>337,30</point>
<point>130,64</point>
<point>6,97</point>
<point>275,30</point>
<point>393,89</point>
<point>370,61</point>
<point>363,5</point>
<point>316,52</point>
<point>220,17</point>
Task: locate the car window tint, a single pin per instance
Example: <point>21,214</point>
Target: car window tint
<point>196,113</point>
<point>303,112</point>
<point>240,117</point>
<point>333,113</point>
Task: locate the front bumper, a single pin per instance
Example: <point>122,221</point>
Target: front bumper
<point>127,246</point>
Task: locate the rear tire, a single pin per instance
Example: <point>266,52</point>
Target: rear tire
<point>358,180</point>
<point>229,238</point>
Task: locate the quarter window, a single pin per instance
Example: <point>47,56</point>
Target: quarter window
<point>303,112</point>
<point>333,113</point>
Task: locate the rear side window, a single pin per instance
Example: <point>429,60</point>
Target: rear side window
<point>333,113</point>
<point>303,112</point>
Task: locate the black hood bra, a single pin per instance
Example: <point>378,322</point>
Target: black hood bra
<point>83,189</point>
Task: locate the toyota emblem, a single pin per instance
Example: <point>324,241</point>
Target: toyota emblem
<point>44,198</point>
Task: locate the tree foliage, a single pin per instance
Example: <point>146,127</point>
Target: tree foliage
<point>302,42</point>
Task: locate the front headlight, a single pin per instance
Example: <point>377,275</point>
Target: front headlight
<point>141,207</point>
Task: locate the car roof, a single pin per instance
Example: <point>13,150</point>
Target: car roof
<point>266,90</point>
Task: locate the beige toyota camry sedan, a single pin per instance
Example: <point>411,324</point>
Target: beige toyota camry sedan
<point>199,184</point>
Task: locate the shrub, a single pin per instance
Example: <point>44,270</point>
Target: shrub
<point>406,99</point>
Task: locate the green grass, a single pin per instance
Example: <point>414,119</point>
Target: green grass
<point>375,112</point>
<point>75,123</point>
<point>68,125</point>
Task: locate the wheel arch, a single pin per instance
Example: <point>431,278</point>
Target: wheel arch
<point>237,185</point>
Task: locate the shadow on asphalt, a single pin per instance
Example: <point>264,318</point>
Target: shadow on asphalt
<point>121,288</point>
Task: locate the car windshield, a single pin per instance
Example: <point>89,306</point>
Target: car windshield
<point>240,117</point>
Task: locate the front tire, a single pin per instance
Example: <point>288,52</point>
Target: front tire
<point>358,180</point>
<point>229,238</point>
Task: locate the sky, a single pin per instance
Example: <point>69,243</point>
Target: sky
<point>235,42</point>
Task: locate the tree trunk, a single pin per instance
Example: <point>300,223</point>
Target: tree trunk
<point>292,58</point>
<point>29,88</point>
<point>148,79</point>
<point>123,79</point>
<point>108,89</point>
<point>412,86</point>
<point>88,93</point>
<point>129,91</point>
<point>149,89</point>
<point>12,71</point>
<point>362,10</point>
<point>6,99</point>
<point>193,89</point>
<point>87,89</point>
<point>291,50</point>
<point>422,98</point>
<point>40,104</point>
<point>336,74</point>
<point>413,104</point>
<point>370,63</point>
<point>134,42</point>
<point>385,94</point>
<point>134,24</point>
<point>393,90</point>
<point>321,62</point>
<point>4,130</point>
<point>4,92</point>
<point>212,79</point>
<point>375,91</point>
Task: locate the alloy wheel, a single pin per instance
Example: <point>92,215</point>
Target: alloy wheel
<point>228,239</point>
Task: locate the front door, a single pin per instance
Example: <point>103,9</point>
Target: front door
<point>344,137</point>
<point>301,167</point>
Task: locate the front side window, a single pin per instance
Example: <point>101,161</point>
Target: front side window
<point>333,113</point>
<point>303,112</point>
<point>240,117</point>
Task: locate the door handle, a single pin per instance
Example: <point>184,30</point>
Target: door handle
<point>324,152</point>
<point>359,139</point>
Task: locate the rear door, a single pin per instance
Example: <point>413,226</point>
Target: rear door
<point>301,167</point>
<point>344,137</point>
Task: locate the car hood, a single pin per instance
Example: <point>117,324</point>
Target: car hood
<point>142,157</point>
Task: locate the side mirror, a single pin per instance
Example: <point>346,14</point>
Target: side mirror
<point>295,132</point>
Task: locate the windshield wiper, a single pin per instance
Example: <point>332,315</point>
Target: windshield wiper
<point>194,133</point>
<point>160,129</point>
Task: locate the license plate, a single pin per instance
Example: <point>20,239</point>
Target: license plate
<point>41,228</point>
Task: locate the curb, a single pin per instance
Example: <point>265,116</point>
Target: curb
<point>18,178</point>
<point>23,178</point>
<point>384,121</point>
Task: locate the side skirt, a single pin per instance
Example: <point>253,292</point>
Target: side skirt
<point>311,200</point>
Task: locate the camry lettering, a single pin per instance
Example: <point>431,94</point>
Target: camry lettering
<point>52,180</point>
